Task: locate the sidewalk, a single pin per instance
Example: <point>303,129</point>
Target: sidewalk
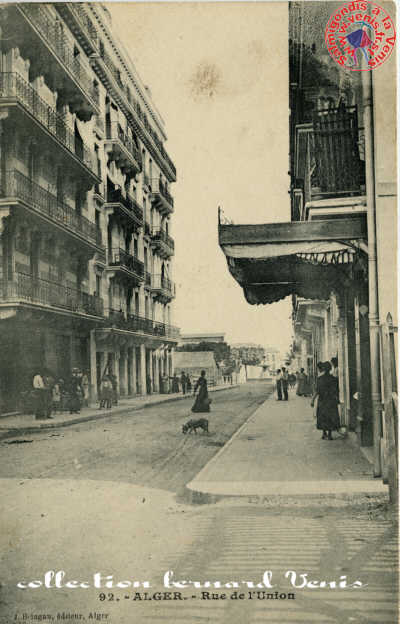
<point>26,423</point>
<point>279,452</point>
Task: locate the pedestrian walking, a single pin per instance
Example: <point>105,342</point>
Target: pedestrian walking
<point>279,384</point>
<point>202,402</point>
<point>39,396</point>
<point>285,383</point>
<point>106,393</point>
<point>188,384</point>
<point>292,380</point>
<point>327,394</point>
<point>335,369</point>
<point>183,382</point>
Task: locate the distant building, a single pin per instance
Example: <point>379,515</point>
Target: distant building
<point>198,338</point>
<point>193,362</point>
<point>272,359</point>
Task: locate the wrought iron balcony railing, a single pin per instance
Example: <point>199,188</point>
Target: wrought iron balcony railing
<point>12,85</point>
<point>30,289</point>
<point>135,323</point>
<point>135,111</point>
<point>49,29</point>
<point>16,185</point>
<point>159,234</point>
<point>338,168</point>
<point>116,197</point>
<point>119,257</point>
<point>115,133</point>
<point>161,283</point>
<point>143,118</point>
<point>159,188</point>
<point>77,9</point>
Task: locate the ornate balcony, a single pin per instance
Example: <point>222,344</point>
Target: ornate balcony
<point>139,324</point>
<point>162,243</point>
<point>162,288</point>
<point>112,76</point>
<point>160,197</point>
<point>29,290</point>
<point>16,92</point>
<point>56,58</point>
<point>328,160</point>
<point>126,264</point>
<point>122,149</point>
<point>74,14</point>
<point>126,205</point>
<point>18,189</point>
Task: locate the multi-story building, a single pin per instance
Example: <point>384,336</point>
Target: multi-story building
<point>85,203</point>
<point>336,257</point>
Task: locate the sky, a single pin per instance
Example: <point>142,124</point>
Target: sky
<point>218,74</point>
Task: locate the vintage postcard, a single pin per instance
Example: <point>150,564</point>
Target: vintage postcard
<point>198,312</point>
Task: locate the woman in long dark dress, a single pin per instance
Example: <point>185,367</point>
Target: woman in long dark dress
<point>75,393</point>
<point>202,402</point>
<point>327,392</point>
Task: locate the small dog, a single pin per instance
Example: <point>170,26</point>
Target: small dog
<point>193,425</point>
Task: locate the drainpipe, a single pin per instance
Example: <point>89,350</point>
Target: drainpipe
<point>376,398</point>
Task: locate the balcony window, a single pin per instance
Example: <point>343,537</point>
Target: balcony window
<point>338,168</point>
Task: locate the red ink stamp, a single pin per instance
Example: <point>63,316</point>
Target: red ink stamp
<point>360,35</point>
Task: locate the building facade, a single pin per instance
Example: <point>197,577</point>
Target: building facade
<point>337,256</point>
<point>85,206</point>
<point>193,339</point>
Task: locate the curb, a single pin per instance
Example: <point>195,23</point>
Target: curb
<point>198,497</point>
<point>13,432</point>
<point>202,497</point>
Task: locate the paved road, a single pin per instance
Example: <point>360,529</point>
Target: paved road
<point>146,447</point>
<point>102,498</point>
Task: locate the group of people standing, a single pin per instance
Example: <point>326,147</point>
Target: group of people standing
<point>183,381</point>
<point>53,395</point>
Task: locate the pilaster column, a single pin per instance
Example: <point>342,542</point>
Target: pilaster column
<point>343,366</point>
<point>142,370</point>
<point>156,380</point>
<point>151,355</point>
<point>93,367</point>
<point>123,369</point>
